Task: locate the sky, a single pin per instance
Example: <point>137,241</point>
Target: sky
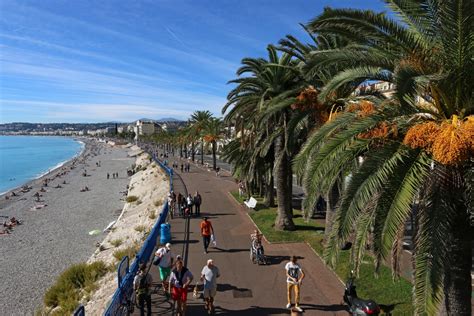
<point>121,60</point>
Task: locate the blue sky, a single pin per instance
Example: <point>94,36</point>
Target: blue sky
<point>120,60</point>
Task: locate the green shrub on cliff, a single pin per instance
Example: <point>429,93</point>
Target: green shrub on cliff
<point>75,281</point>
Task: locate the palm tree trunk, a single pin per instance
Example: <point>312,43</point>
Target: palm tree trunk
<point>284,219</point>
<point>214,160</point>
<point>457,280</point>
<point>192,151</point>
<point>202,151</point>
<point>269,190</point>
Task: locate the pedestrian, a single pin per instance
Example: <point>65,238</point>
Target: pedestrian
<point>108,175</point>
<point>241,188</point>
<point>142,284</point>
<point>190,202</point>
<point>182,166</point>
<point>294,278</point>
<point>189,167</point>
<point>206,231</point>
<point>209,275</point>
<point>197,203</point>
<point>180,201</point>
<point>116,175</point>
<point>180,280</point>
<point>165,263</point>
<point>218,169</point>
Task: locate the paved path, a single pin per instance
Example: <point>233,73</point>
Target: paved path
<point>245,288</point>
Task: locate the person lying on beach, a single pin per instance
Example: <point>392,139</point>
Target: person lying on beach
<point>4,232</point>
<point>58,186</point>
<point>42,190</point>
<point>13,194</point>
<point>11,223</point>
<point>64,182</point>
<point>84,189</point>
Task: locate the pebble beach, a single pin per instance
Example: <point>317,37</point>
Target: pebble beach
<point>55,230</point>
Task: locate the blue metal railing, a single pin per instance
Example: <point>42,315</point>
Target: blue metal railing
<point>124,291</point>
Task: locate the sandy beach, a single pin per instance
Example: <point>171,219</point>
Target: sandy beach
<point>55,229</point>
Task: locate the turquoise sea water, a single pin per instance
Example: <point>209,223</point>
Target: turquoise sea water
<point>23,158</point>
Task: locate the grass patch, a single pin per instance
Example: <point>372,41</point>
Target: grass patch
<point>77,280</point>
<point>116,242</point>
<point>140,228</point>
<point>130,251</point>
<point>131,198</point>
<point>381,289</point>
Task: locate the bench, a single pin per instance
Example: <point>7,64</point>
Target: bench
<point>251,203</point>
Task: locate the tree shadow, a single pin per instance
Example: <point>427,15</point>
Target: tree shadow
<point>327,308</point>
<point>192,241</point>
<point>229,250</point>
<point>309,228</point>
<point>199,310</point>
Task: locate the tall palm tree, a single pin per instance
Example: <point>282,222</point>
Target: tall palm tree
<point>415,148</point>
<point>267,92</point>
<point>198,121</point>
<point>213,132</point>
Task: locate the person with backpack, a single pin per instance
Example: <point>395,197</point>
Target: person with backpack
<point>142,284</point>
<point>180,280</point>
<point>197,203</point>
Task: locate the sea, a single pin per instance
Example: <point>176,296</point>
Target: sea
<point>24,158</point>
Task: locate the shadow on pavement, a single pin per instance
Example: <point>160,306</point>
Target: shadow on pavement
<point>252,311</point>
<point>229,250</point>
<point>328,308</point>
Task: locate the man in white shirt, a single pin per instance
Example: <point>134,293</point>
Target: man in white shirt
<point>166,262</point>
<point>294,278</point>
<point>209,275</point>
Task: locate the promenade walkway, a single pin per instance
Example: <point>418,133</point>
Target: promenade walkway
<point>243,288</point>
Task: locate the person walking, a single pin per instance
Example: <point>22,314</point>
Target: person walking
<point>206,231</point>
<point>197,203</point>
<point>165,264</point>
<point>190,202</point>
<point>182,166</point>
<point>180,280</point>
<point>294,278</point>
<point>209,275</point>
<point>142,284</point>
<point>181,203</point>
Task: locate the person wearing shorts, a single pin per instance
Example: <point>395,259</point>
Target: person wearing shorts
<point>180,280</point>
<point>166,262</point>
<point>209,275</point>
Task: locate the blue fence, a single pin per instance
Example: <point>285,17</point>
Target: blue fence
<point>124,291</point>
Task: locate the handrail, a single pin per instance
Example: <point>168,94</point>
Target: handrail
<point>122,295</point>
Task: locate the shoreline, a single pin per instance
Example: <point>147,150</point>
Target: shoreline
<point>83,141</point>
<point>55,229</point>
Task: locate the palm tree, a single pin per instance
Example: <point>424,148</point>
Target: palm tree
<point>198,121</point>
<point>213,132</point>
<point>415,148</point>
<point>267,93</point>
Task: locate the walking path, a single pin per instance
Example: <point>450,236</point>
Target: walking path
<point>244,288</point>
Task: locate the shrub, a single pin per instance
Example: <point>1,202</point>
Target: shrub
<point>140,228</point>
<point>77,279</point>
<point>157,203</point>
<point>130,251</point>
<point>131,198</point>
<point>152,215</point>
<point>116,242</point>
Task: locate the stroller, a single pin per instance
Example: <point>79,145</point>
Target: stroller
<point>257,253</point>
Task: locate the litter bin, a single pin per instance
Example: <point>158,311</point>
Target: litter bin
<point>165,233</point>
